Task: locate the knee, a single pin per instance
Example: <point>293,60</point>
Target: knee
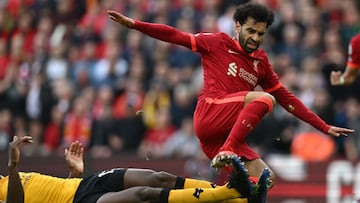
<point>252,96</point>
<point>163,179</point>
<point>265,98</point>
<point>270,97</point>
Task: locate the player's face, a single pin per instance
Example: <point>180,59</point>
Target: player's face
<point>251,34</point>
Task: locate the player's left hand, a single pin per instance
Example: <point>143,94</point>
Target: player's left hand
<point>337,131</point>
<point>74,157</point>
<point>14,151</point>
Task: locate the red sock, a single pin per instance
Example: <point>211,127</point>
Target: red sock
<point>247,120</point>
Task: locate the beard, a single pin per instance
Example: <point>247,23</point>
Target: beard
<point>245,42</point>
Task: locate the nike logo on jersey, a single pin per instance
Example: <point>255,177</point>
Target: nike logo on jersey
<point>203,33</point>
<point>233,52</point>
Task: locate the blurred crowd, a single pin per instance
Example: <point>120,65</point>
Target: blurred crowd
<point>67,72</point>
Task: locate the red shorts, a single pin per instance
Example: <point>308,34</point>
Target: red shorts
<point>213,121</point>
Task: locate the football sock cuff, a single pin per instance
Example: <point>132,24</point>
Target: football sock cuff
<point>179,183</point>
<point>164,195</point>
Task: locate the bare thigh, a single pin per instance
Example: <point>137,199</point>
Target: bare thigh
<point>255,168</point>
<point>256,94</point>
<point>147,177</point>
<point>132,195</point>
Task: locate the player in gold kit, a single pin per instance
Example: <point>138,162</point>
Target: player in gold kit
<point>120,184</point>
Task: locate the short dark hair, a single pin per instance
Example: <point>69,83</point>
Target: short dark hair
<point>258,12</point>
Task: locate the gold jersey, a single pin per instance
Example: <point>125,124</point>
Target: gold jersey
<point>39,188</point>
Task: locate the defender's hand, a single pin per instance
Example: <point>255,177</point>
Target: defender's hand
<point>74,159</point>
<point>337,131</point>
<point>121,19</point>
<point>14,151</point>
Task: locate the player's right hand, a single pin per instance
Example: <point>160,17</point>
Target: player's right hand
<point>74,157</point>
<point>338,131</point>
<point>121,19</point>
<point>14,151</point>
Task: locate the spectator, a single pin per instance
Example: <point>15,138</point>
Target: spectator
<point>183,143</point>
<point>84,66</point>
<point>57,67</point>
<point>4,58</point>
<point>182,104</point>
<point>110,69</point>
<point>128,125</point>
<point>157,97</point>
<point>77,124</point>
<point>53,132</point>
<point>5,128</point>
<point>103,122</point>
<point>155,138</point>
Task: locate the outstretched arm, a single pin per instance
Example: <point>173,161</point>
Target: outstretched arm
<point>158,31</point>
<point>296,107</point>
<point>15,190</point>
<point>74,157</point>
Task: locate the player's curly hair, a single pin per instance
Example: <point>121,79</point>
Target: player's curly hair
<point>258,12</point>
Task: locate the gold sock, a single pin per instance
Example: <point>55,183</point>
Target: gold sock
<point>202,195</point>
<point>236,200</point>
<point>194,183</point>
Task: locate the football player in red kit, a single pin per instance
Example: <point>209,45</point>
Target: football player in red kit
<point>352,65</point>
<point>228,107</point>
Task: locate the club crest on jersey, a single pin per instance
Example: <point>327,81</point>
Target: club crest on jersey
<point>255,63</point>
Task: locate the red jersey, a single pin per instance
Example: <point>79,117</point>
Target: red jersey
<point>354,52</point>
<point>229,69</point>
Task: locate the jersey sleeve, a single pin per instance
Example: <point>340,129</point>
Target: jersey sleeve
<point>205,42</point>
<point>296,107</point>
<point>165,33</point>
<point>201,42</point>
<point>354,53</point>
